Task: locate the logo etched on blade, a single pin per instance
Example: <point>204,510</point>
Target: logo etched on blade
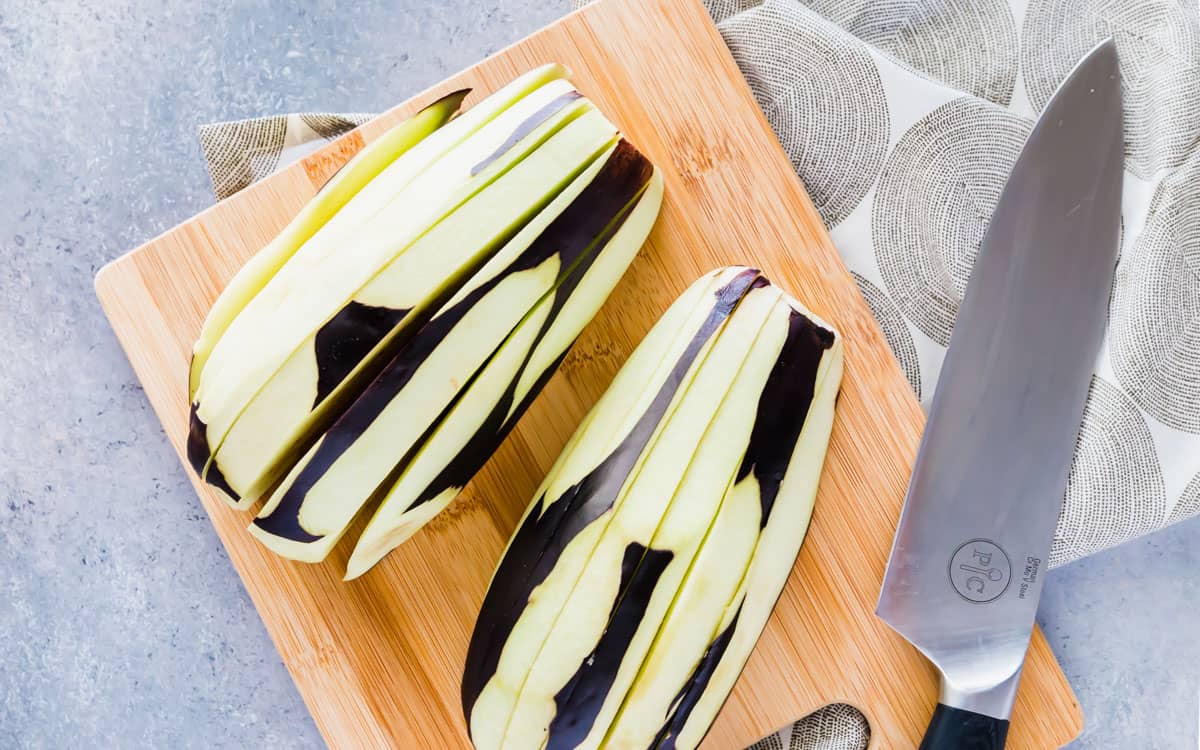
<point>980,571</point>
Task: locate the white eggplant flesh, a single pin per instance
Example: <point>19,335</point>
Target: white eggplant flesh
<point>377,167</point>
<point>770,566</point>
<point>328,494</point>
<point>628,545</point>
<point>580,496</point>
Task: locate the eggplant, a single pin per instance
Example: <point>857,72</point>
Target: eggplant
<point>554,540</point>
<point>377,166</point>
<point>771,494</point>
<point>414,192</point>
<point>500,314</point>
<point>335,362</point>
<point>637,583</point>
<point>330,291</point>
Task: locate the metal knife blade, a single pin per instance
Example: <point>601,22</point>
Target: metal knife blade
<point>970,553</point>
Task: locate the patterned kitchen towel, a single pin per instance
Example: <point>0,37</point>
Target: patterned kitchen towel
<point>243,152</point>
<point>903,118</point>
<point>904,131</point>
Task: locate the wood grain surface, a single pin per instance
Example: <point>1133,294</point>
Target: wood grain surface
<point>378,660</point>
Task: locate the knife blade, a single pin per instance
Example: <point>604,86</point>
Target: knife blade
<point>968,561</point>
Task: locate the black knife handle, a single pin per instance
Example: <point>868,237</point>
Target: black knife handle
<point>957,729</point>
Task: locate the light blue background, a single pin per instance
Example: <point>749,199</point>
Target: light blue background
<point>122,622</point>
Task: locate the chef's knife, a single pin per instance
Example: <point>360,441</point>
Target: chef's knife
<point>969,558</point>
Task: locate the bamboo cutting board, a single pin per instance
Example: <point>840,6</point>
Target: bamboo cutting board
<point>378,660</point>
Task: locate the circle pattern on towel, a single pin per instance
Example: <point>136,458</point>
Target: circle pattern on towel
<point>823,96</point>
<point>895,330</point>
<point>970,45</point>
<point>719,10</point>
<point>838,726</point>
<point>1115,488</point>
<point>331,126</point>
<point>770,742</point>
<point>1154,318</point>
<point>935,198</point>
<point>1159,46</point>
<point>240,153</point>
<point>1189,502</point>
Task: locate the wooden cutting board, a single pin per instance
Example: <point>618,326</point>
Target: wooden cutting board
<point>378,660</point>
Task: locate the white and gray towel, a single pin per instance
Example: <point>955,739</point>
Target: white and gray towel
<point>903,118</point>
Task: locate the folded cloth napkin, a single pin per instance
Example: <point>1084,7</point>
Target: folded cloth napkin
<point>903,119</point>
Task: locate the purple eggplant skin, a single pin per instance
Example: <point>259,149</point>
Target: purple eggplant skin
<point>779,417</point>
<point>783,407</point>
<point>502,418</point>
<point>527,126</point>
<point>347,338</point>
<point>553,522</point>
<point>579,701</point>
<point>198,453</point>
<point>689,694</point>
<point>339,346</point>
<point>571,234</point>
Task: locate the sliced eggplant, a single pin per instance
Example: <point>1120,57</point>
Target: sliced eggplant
<point>593,650</point>
<point>380,168</point>
<point>627,627</point>
<point>348,251</point>
<point>672,663</point>
<point>379,435</point>
<point>330,368</point>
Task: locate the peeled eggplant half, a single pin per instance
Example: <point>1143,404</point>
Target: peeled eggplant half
<point>316,308</point>
<point>385,343</point>
<point>638,582</point>
<point>337,358</point>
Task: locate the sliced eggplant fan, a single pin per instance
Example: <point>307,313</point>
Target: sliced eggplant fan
<point>639,580</point>
<point>378,351</point>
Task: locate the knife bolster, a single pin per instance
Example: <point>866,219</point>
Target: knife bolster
<point>995,702</point>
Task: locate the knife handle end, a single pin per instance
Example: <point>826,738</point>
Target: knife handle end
<point>958,729</point>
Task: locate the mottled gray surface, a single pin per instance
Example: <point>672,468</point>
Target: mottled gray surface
<point>122,623</point>
<point>1124,626</point>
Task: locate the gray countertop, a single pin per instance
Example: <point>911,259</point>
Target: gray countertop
<point>122,622</point>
